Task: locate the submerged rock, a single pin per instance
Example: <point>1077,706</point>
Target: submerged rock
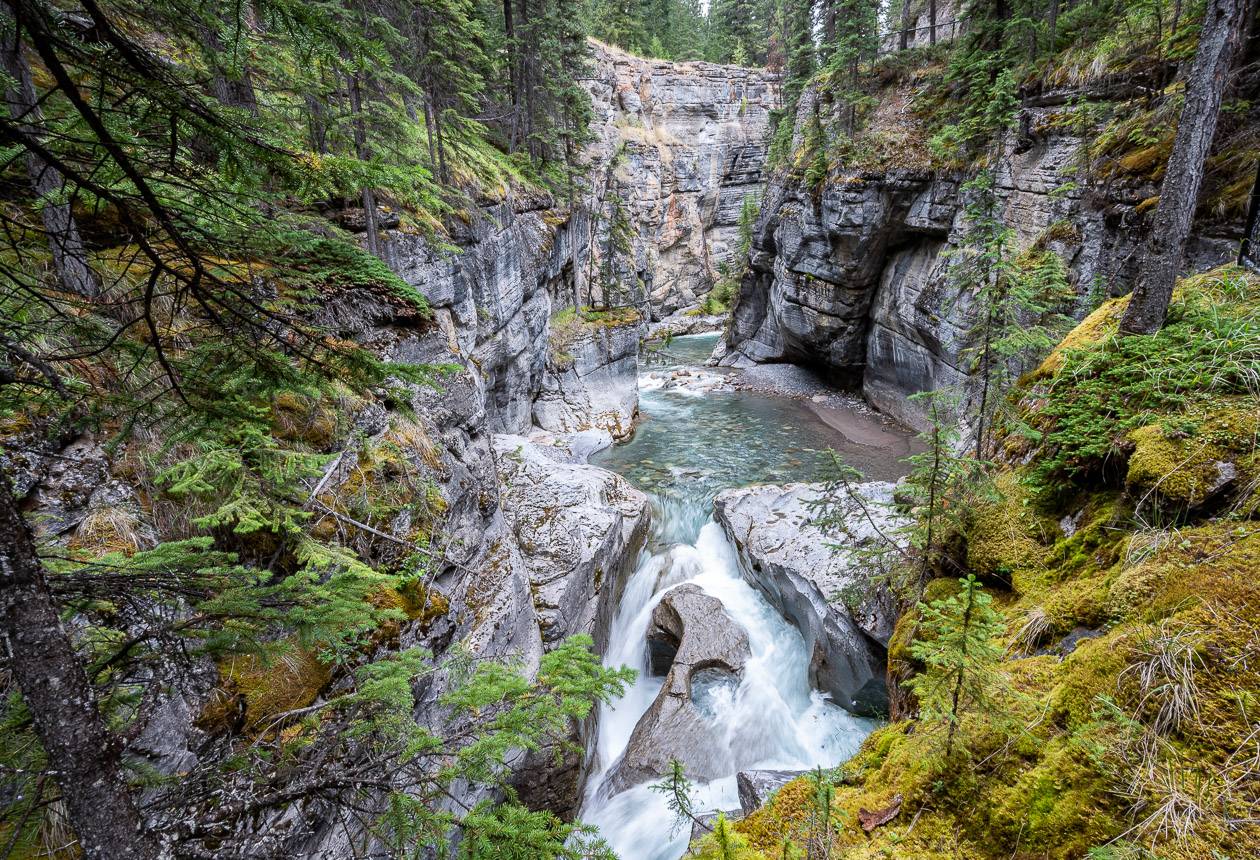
<point>830,594</point>
<point>709,652</point>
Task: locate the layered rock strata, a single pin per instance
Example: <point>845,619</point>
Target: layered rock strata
<point>679,147</point>
<point>853,277</point>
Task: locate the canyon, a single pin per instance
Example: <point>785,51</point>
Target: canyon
<point>537,544</point>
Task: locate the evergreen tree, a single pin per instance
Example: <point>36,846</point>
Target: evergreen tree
<point>855,41</point>
<point>957,643</point>
<point>206,153</point>
<point>799,26</point>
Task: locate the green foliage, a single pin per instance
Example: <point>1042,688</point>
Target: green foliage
<point>1022,301</point>
<point>957,643</point>
<point>509,831</point>
<point>1107,387</point>
<point>986,114</point>
<point>676,788</point>
<point>730,274</point>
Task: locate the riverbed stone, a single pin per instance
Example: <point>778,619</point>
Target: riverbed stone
<point>821,581</point>
<point>709,648</point>
<point>756,786</point>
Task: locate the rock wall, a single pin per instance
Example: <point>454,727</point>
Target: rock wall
<point>533,545</point>
<point>678,147</point>
<point>591,381</point>
<point>827,594</point>
<point>853,277</point>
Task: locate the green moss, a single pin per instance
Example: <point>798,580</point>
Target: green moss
<point>1002,540</point>
<point>1088,672</point>
<point>1060,806</point>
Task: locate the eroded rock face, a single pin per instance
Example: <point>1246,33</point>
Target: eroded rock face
<point>678,148</point>
<point>578,527</point>
<point>854,277</point>
<point>845,617</point>
<point>592,383</point>
<point>709,651</point>
<point>756,786</point>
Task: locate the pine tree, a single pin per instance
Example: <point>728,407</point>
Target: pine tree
<point>957,643</point>
<point>855,41</point>
<point>199,341</point>
<point>799,26</point>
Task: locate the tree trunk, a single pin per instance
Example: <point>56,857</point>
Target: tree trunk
<point>932,21</point>
<point>1249,250</point>
<point>903,40</point>
<point>1054,22</point>
<point>361,152</point>
<point>69,257</point>
<point>509,30</point>
<point>1205,87</point>
<point>81,754</point>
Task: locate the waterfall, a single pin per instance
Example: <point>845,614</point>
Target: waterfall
<point>689,448</point>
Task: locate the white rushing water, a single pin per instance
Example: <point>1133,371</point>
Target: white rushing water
<point>773,719</point>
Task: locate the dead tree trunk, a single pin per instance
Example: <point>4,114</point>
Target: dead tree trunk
<point>69,257</point>
<point>81,753</point>
<point>1205,87</point>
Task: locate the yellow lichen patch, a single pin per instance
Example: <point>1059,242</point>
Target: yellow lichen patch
<point>1060,806</point>
<point>416,601</point>
<point>784,816</point>
<point>1087,673</point>
<point>1184,470</point>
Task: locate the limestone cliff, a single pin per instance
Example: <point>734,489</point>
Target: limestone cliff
<point>852,276</point>
<point>678,148</point>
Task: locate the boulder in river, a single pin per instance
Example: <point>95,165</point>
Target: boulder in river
<point>829,593</point>
<point>756,786</point>
<point>709,651</point>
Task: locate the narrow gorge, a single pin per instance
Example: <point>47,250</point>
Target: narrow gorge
<point>439,432</point>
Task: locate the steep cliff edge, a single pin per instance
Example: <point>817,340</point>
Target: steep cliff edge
<point>852,275</point>
<point>679,146</point>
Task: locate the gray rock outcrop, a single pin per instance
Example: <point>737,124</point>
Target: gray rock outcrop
<point>829,594</point>
<point>679,145</point>
<point>709,652</point>
<point>591,382</point>
<point>578,528</point>
<point>853,277</point>
<point>756,786</point>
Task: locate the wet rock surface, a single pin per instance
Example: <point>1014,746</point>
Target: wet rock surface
<point>709,650</point>
<point>830,595</point>
<point>756,786</point>
<point>853,277</point>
